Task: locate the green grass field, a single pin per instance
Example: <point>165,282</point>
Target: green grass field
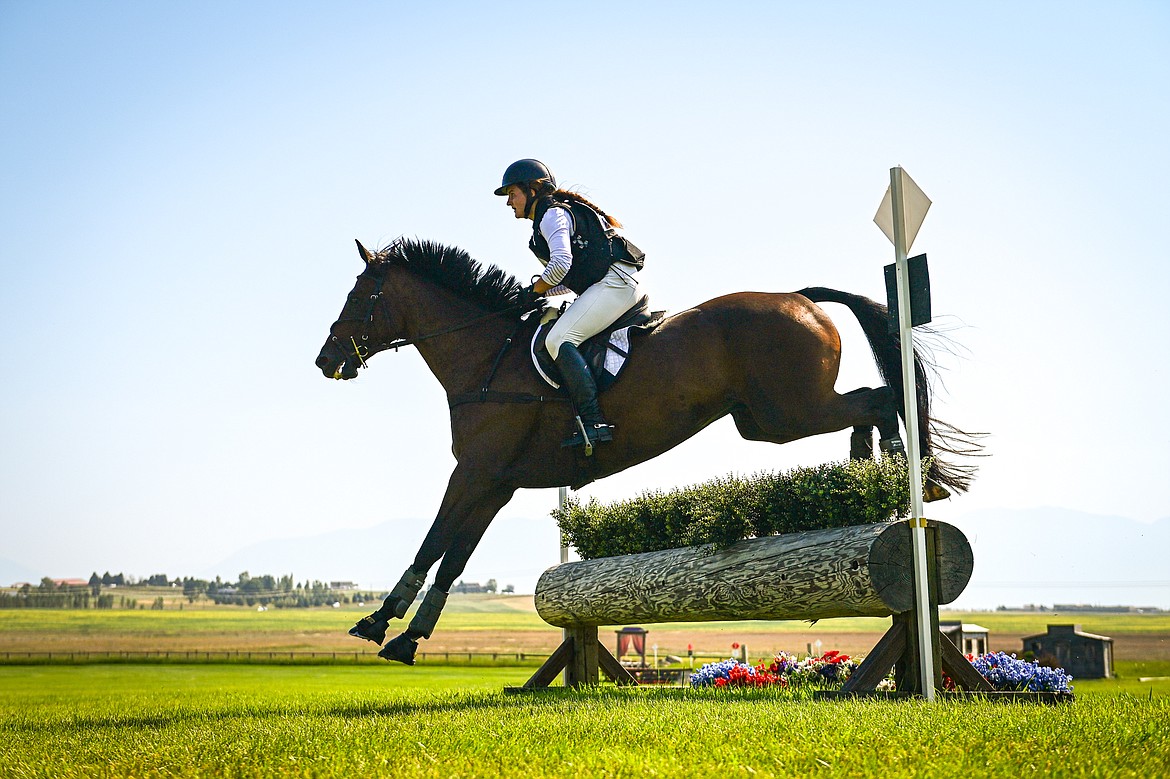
<point>247,721</point>
<point>284,629</point>
<point>376,719</point>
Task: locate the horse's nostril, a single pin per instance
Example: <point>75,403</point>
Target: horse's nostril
<point>322,360</point>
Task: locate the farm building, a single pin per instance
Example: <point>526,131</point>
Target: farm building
<point>1083,655</point>
<point>970,639</point>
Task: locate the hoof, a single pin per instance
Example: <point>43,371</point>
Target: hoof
<point>932,492</point>
<point>370,628</point>
<point>400,649</point>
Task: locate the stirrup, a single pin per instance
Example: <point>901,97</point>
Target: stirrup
<point>587,436</point>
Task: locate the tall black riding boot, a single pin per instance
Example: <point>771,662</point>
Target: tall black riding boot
<point>582,390</point>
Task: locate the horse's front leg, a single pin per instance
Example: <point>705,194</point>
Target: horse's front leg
<point>472,500</point>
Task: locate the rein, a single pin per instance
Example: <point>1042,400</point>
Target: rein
<point>361,351</point>
<point>400,342</point>
<point>484,395</point>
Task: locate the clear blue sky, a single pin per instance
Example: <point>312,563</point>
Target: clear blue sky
<point>181,184</point>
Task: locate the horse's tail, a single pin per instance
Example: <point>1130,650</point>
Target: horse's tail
<point>934,436</point>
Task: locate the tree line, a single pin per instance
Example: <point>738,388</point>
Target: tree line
<point>246,590</point>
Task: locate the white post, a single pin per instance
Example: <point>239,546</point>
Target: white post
<point>913,451</point>
<point>562,496</point>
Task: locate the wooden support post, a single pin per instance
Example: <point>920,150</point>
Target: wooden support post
<point>960,670</point>
<point>899,648</point>
<point>581,656</point>
<point>613,668</point>
<point>906,673</point>
<point>582,667</point>
<point>556,663</point>
<point>877,664</point>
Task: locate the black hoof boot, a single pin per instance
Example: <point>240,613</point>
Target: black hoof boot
<point>861,443</point>
<point>892,446</point>
<point>400,649</point>
<point>371,628</point>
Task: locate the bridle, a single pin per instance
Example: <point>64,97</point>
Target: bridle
<point>362,350</point>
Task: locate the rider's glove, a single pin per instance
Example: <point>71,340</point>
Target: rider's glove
<point>528,298</point>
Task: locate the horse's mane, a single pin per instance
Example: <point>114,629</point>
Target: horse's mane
<point>488,287</point>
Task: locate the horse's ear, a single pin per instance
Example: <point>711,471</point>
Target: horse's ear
<point>362,251</point>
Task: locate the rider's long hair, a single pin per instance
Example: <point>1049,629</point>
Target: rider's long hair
<point>542,188</point>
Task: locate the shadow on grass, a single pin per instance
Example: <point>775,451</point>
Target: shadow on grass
<point>458,702</point>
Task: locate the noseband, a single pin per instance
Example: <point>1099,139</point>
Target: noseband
<point>361,350</point>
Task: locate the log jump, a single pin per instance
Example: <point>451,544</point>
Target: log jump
<point>857,571</point>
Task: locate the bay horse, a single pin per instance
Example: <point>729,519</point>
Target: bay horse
<point>770,360</point>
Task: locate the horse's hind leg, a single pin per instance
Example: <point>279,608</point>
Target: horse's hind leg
<point>863,409</point>
<point>861,440</point>
<point>891,442</point>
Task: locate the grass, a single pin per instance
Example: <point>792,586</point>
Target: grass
<point>462,613</point>
<point>204,721</point>
<point>493,613</point>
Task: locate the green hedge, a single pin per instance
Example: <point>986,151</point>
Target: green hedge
<point>732,508</point>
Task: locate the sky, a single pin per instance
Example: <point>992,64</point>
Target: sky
<point>181,185</point>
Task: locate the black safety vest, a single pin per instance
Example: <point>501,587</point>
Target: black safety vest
<point>594,244</point>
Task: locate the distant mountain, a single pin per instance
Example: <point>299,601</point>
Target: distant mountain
<point>513,551</point>
<point>1041,556</point>
<point>13,572</point>
<point>1054,555</point>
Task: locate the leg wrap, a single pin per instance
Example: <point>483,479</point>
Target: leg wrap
<point>861,444</point>
<point>403,594</point>
<point>428,613</point>
<point>892,445</point>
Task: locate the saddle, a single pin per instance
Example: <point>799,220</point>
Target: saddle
<point>604,353</point>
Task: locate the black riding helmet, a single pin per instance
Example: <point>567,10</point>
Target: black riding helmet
<point>522,171</point>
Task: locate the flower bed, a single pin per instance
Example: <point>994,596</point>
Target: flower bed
<point>1008,673</point>
<point>829,670</point>
<point>1005,672</point>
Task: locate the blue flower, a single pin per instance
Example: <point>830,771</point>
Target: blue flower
<point>1006,672</point>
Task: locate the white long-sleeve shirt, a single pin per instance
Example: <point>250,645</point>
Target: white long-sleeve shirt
<point>557,228</point>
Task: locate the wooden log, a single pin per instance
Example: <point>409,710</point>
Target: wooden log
<point>858,571</point>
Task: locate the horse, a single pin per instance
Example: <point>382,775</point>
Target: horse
<point>770,360</point>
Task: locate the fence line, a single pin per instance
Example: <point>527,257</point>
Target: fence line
<point>235,656</point>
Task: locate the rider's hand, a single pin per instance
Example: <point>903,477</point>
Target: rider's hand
<point>528,298</point>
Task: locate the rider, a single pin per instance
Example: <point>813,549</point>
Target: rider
<point>582,253</point>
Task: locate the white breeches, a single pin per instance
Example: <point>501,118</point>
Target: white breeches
<point>595,309</point>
